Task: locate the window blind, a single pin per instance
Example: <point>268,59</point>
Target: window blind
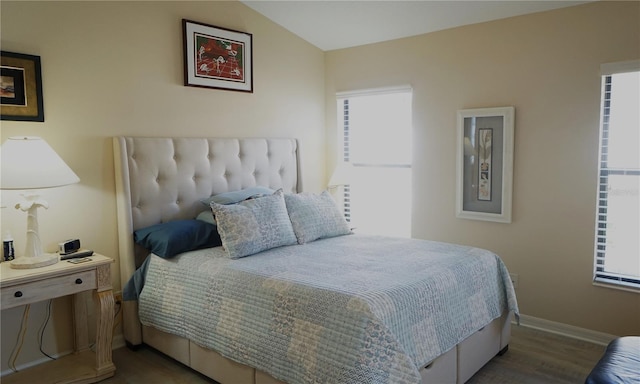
<point>375,138</point>
<point>618,183</point>
<point>346,191</point>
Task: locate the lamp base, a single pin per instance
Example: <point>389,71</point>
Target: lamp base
<point>25,262</point>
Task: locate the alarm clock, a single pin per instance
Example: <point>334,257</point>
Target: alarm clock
<point>69,246</point>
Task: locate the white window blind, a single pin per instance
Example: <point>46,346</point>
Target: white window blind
<point>375,136</point>
<point>617,248</point>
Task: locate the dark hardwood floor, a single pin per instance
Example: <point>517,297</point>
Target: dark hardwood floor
<point>534,357</point>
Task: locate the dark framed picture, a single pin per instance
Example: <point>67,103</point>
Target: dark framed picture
<point>485,164</point>
<point>217,57</point>
<point>20,87</point>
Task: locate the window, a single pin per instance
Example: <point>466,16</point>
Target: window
<point>376,139</point>
<point>617,250</point>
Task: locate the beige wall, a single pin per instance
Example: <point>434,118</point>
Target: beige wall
<point>116,68</point>
<point>546,65</point>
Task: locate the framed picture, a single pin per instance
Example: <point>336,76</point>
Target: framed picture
<point>216,57</point>
<point>485,164</point>
<point>20,87</point>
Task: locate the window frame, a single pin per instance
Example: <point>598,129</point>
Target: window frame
<point>344,132</point>
<point>600,276</point>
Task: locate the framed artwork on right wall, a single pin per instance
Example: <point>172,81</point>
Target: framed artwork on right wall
<point>485,164</point>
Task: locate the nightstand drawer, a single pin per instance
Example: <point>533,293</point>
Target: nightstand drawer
<point>28,293</point>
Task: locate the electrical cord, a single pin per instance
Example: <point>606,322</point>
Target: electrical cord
<point>115,316</point>
<point>43,327</point>
<point>23,331</point>
<point>20,341</point>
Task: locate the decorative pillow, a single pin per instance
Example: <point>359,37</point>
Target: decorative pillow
<point>207,217</point>
<point>173,237</point>
<point>315,216</point>
<point>255,225</point>
<point>235,197</point>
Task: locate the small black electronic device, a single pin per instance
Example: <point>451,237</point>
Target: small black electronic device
<point>69,246</point>
<point>76,255</point>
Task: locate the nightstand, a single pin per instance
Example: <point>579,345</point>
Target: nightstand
<point>26,286</point>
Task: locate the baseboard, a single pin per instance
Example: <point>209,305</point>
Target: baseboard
<point>118,342</point>
<point>562,329</point>
<point>29,364</point>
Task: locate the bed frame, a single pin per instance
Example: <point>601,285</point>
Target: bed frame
<point>163,179</point>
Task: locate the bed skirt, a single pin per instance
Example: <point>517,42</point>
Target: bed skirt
<point>455,366</point>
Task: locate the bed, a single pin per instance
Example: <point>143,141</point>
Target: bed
<point>297,310</point>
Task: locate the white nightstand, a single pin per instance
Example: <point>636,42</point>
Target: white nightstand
<point>26,286</point>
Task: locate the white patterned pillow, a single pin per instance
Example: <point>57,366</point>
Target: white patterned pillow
<point>315,216</point>
<point>254,225</point>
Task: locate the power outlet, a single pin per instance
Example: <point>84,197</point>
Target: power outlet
<point>514,280</point>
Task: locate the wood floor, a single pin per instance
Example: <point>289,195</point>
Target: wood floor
<point>537,357</point>
<point>534,357</point>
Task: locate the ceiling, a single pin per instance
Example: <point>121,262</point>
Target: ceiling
<point>336,24</point>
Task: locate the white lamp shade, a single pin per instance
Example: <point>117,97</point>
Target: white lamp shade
<point>30,163</point>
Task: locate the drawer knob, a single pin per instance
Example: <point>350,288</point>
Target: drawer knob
<point>78,281</point>
<point>18,294</point>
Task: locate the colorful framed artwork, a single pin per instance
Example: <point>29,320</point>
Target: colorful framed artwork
<point>20,87</point>
<point>485,164</point>
<point>217,57</point>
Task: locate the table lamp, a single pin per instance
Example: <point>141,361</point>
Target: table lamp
<point>30,163</point>
<point>342,175</point>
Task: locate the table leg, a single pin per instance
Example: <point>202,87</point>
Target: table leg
<point>81,330</point>
<point>104,332</point>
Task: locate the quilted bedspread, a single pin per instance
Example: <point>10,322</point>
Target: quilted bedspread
<point>350,309</point>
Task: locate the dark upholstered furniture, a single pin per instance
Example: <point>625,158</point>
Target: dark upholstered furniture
<point>620,363</point>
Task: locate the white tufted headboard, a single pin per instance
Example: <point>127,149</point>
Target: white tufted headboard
<point>163,179</point>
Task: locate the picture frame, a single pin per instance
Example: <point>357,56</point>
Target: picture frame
<point>485,164</point>
<point>20,87</point>
<point>216,57</point>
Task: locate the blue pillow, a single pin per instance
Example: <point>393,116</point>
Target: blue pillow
<point>171,238</point>
<point>235,197</point>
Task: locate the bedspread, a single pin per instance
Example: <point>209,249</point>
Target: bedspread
<point>350,309</point>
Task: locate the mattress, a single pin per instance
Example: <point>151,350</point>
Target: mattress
<point>347,309</point>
